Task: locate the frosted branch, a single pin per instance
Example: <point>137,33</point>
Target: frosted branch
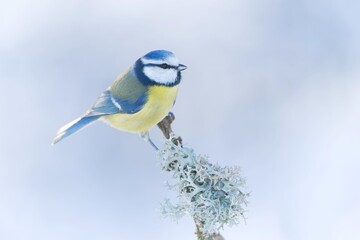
<point>214,196</point>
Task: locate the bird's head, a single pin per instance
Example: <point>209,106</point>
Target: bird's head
<point>159,67</point>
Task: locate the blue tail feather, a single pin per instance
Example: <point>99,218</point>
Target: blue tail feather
<point>74,126</point>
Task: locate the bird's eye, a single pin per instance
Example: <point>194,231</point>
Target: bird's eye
<point>164,66</point>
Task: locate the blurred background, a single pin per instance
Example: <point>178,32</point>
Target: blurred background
<point>272,86</point>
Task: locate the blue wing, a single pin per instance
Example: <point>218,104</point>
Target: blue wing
<point>106,104</point>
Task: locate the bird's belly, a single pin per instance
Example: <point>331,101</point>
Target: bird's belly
<point>160,101</point>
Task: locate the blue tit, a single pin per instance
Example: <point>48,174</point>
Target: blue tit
<point>138,99</point>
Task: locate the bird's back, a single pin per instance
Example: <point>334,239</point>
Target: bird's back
<point>128,88</point>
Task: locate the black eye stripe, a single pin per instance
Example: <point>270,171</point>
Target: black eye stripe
<point>163,65</point>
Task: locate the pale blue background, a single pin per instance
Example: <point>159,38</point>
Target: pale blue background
<point>273,86</point>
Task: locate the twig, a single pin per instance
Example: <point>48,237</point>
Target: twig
<point>165,127</point>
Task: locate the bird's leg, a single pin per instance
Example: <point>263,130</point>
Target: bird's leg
<point>146,137</point>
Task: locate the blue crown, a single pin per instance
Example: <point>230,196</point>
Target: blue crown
<point>158,54</point>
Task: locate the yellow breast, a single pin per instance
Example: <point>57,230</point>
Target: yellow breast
<point>160,101</point>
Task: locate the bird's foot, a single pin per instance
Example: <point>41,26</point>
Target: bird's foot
<point>146,137</point>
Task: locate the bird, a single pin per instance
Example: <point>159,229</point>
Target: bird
<point>137,99</point>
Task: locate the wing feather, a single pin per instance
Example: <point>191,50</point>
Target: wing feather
<point>126,95</point>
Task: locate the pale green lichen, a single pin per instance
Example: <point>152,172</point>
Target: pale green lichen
<point>214,196</point>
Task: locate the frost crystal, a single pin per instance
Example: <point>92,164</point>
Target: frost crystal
<point>212,195</point>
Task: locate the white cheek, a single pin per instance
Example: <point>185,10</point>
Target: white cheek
<point>159,75</point>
